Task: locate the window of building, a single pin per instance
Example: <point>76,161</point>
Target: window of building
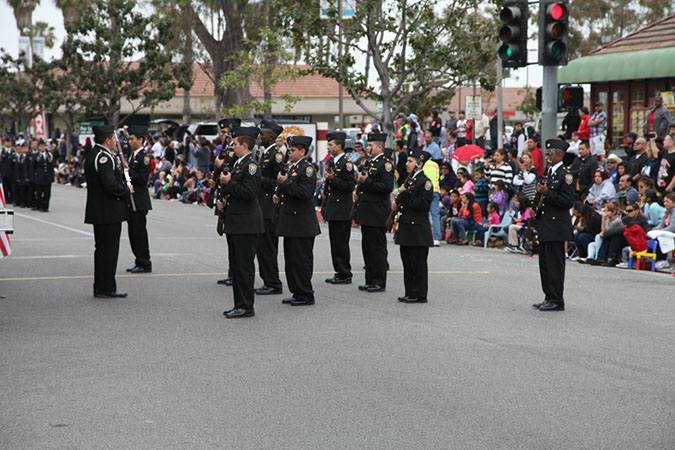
<point>618,116</point>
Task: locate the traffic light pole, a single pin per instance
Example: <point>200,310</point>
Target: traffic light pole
<point>549,105</point>
<point>500,108</point>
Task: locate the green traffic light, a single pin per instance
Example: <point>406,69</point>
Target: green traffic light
<point>505,52</point>
<point>557,49</point>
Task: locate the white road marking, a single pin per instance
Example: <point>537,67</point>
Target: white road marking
<point>87,256</point>
<point>75,230</point>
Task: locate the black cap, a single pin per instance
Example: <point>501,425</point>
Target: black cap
<point>138,131</point>
<point>377,137</point>
<point>229,122</point>
<point>557,143</point>
<point>417,153</point>
<point>103,131</point>
<point>300,141</point>
<point>349,144</point>
<point>42,142</point>
<point>246,131</point>
<point>271,126</point>
<point>336,136</point>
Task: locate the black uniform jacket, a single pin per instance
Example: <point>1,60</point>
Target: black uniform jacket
<point>43,168</point>
<point>7,163</point>
<point>22,167</point>
<point>242,212</point>
<point>414,229</point>
<point>375,205</point>
<point>139,172</point>
<point>297,216</point>
<point>270,165</point>
<point>107,191</point>
<point>554,223</point>
<point>339,196</point>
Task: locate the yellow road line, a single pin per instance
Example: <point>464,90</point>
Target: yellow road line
<point>147,275</point>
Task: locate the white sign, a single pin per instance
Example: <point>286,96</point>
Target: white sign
<point>38,48</point>
<point>348,8</point>
<point>473,107</point>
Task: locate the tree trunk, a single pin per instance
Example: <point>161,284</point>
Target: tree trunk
<point>387,123</point>
<point>113,112</point>
<point>189,58</point>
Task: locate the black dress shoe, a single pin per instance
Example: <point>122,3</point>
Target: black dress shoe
<point>228,311</point>
<point>594,262</point>
<point>403,298</point>
<point>288,301</point>
<point>296,302</point>
<point>266,290</point>
<point>110,294</point>
<point>537,305</point>
<point>226,281</point>
<point>550,306</point>
<point>336,280</point>
<point>611,263</point>
<point>364,287</point>
<point>139,269</point>
<point>240,313</point>
<point>416,300</point>
<point>375,288</point>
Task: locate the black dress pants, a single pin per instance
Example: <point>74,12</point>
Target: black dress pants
<point>241,248</point>
<point>107,249</point>
<point>374,248</point>
<point>268,249</point>
<point>8,188</point>
<point>138,238</point>
<point>415,271</point>
<point>552,271</point>
<point>299,265</point>
<point>43,193</point>
<point>339,232</point>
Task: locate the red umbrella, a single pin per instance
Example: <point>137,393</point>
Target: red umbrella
<point>468,153</point>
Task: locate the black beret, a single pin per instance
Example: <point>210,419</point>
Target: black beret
<point>557,143</point>
<point>246,131</point>
<point>336,136</point>
<point>103,131</point>
<point>137,131</point>
<point>271,126</point>
<point>229,122</point>
<point>377,137</point>
<point>302,141</point>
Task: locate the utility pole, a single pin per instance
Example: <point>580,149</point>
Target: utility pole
<point>549,104</point>
<point>500,108</point>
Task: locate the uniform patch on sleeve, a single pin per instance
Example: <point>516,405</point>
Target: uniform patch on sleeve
<point>569,179</point>
<point>103,159</point>
<point>279,157</point>
<point>309,171</point>
<point>349,166</point>
<point>252,168</point>
<point>388,166</point>
<point>146,160</point>
<point>428,185</point>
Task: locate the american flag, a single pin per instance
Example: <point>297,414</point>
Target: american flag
<point>5,247</point>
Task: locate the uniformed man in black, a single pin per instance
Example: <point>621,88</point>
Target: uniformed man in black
<point>43,175</point>
<point>22,168</point>
<point>107,197</point>
<point>32,187</point>
<point>373,211</point>
<point>227,125</point>
<point>297,221</point>
<point>139,172</point>
<point>554,227</point>
<point>414,230</point>
<point>7,169</point>
<point>271,160</point>
<point>338,191</point>
<point>243,220</point>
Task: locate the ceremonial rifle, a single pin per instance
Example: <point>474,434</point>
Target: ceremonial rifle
<point>224,170</point>
<point>326,185</point>
<point>359,188</point>
<point>407,184</point>
<point>124,164</point>
<point>536,205</point>
<point>284,170</point>
<point>225,157</point>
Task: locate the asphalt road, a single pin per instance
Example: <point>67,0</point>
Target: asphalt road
<point>476,367</point>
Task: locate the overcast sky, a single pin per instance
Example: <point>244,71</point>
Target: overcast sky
<point>48,12</point>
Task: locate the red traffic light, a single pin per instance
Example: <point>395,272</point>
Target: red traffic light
<point>557,11</point>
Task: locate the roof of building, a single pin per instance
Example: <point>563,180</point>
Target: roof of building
<point>659,34</point>
<point>512,97</point>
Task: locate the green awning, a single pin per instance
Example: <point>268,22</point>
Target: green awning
<point>643,64</point>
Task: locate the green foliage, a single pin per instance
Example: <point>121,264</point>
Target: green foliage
<point>529,104</point>
<point>20,87</point>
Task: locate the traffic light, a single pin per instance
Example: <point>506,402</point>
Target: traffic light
<point>554,17</point>
<point>513,33</point>
<point>570,97</point>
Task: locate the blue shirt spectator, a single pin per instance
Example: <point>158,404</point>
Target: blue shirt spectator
<point>432,148</point>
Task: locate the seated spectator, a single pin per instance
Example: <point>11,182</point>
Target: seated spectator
<point>583,168</point>
<point>526,179</point>
<point>492,219</point>
<point>643,184</point>
<point>449,147</point>
<point>500,196</point>
<point>523,213</point>
<point>481,189</point>
<point>627,193</point>
<point>588,227</point>
<point>572,150</point>
<point>633,210</point>
<point>452,205</point>
<point>620,171</point>
<point>612,238</point>
<point>602,191</point>
<point>652,210</point>
<point>467,183</point>
<point>448,177</point>
<point>537,158</point>
<point>653,164</point>
<point>470,218</point>
<point>636,238</point>
<point>665,231</point>
<point>612,162</point>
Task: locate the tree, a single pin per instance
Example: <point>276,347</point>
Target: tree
<point>529,104</point>
<point>103,37</point>
<point>19,88</point>
<point>417,48</point>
